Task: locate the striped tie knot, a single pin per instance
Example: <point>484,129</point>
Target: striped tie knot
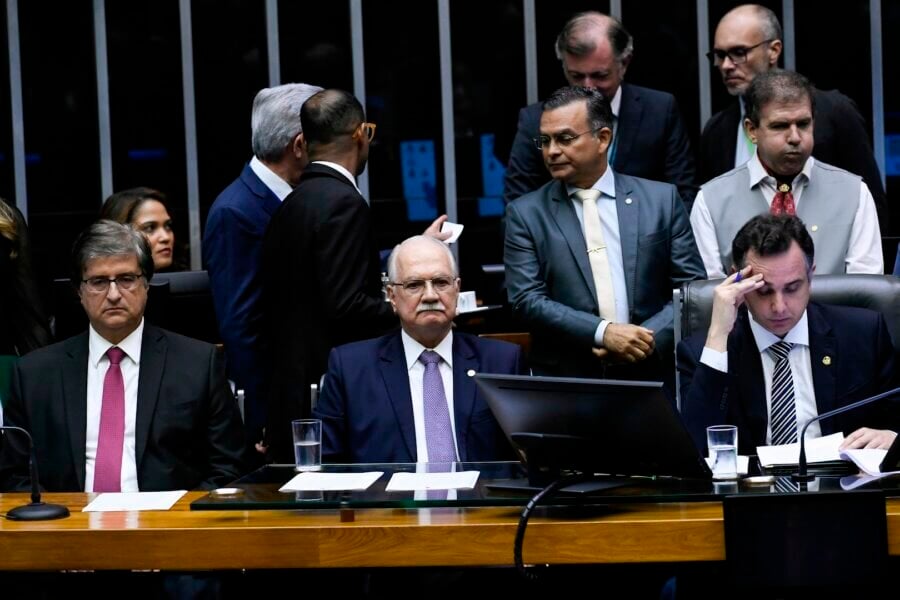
<point>780,350</point>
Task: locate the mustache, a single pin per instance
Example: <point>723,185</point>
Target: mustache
<point>426,306</point>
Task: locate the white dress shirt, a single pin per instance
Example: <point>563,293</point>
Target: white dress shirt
<point>270,179</point>
<point>609,221</point>
<point>343,171</point>
<point>801,372</point>
<point>412,350</point>
<point>98,364</point>
<point>864,254</point>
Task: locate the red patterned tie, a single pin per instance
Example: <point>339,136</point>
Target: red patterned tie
<point>783,202</point>
<point>108,467</point>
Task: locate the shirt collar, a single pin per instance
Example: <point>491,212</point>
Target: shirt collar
<point>799,334</point>
<point>606,185</point>
<point>616,102</point>
<point>270,178</point>
<point>131,345</point>
<point>758,172</point>
<point>413,349</point>
<point>340,169</point>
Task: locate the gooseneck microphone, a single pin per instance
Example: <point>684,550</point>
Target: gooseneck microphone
<point>36,510</point>
<point>801,474</point>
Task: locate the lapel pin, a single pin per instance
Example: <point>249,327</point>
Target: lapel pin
<point>815,227</point>
<point>826,361</point>
<point>471,372</point>
<point>628,200</point>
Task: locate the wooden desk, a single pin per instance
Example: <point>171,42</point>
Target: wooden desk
<point>197,540</point>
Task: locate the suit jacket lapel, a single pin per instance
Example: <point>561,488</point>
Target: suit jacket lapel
<point>749,386</point>
<point>729,142</point>
<point>465,359</point>
<point>74,389</point>
<point>821,344</point>
<point>396,385</point>
<point>629,224</point>
<point>629,120</point>
<point>268,200</point>
<point>564,214</point>
<point>152,368</point>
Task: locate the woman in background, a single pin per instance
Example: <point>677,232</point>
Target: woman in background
<point>145,210</point>
<point>24,325</point>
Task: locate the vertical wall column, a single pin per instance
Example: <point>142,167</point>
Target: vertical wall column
<point>530,32</point>
<point>703,70</point>
<point>359,76</point>
<point>272,43</point>
<point>448,122</point>
<point>15,103</point>
<point>103,119</point>
<point>877,88</point>
<point>190,131</point>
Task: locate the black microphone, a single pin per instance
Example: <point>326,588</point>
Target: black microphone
<point>801,474</point>
<point>36,510</point>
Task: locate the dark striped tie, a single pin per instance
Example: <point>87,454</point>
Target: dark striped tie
<point>784,411</point>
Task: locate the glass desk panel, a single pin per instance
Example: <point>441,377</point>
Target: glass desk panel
<point>259,490</point>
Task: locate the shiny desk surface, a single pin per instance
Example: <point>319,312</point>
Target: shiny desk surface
<point>186,539</point>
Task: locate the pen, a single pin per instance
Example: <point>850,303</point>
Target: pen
<point>737,277</point>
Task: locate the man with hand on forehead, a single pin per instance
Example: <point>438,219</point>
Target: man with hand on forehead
<point>772,360</point>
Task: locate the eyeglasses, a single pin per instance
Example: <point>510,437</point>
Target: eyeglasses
<point>417,286</point>
<point>100,285</point>
<point>369,128</point>
<point>561,139</point>
<point>738,54</point>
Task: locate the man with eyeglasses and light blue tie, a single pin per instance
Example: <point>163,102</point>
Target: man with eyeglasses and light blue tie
<point>748,41</point>
<point>124,406</point>
<point>410,396</point>
<point>593,256</point>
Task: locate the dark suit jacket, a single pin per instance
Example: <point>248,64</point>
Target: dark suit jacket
<point>366,408</point>
<point>188,430</point>
<point>861,364</point>
<point>841,139</point>
<point>551,288</point>
<point>321,289</point>
<point>651,143</point>
<point>232,251</point>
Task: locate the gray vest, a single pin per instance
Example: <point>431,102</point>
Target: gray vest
<point>827,206</point>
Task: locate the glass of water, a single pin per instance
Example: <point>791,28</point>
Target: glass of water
<point>307,444</point>
<point>722,443</point>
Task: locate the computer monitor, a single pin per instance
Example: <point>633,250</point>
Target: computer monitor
<point>591,426</point>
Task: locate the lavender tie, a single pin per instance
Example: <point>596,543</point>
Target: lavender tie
<point>108,465</point>
<point>438,432</point>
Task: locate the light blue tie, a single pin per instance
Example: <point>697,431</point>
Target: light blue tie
<point>438,432</point>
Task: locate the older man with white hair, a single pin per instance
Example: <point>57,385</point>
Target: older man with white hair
<point>409,396</point>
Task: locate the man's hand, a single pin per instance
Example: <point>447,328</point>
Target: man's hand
<point>434,230</point>
<point>728,297</point>
<point>625,342</point>
<point>869,438</point>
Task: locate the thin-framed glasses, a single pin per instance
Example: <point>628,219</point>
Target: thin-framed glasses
<point>414,287</point>
<point>369,128</point>
<point>738,54</point>
<point>100,285</point>
<point>561,139</point>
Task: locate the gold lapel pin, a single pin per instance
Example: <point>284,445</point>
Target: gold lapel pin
<point>826,361</point>
<point>784,188</point>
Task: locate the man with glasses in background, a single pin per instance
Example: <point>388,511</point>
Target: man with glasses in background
<point>125,406</point>
<point>592,257</point>
<point>321,272</point>
<point>409,396</point>
<point>748,41</point>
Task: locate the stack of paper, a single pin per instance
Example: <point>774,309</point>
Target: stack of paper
<point>818,450</point>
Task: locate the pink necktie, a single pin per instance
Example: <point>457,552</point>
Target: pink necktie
<point>108,467</point>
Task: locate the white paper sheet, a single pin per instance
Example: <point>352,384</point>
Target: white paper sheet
<point>821,449</point>
<point>404,482</point>
<point>124,501</point>
<point>316,481</point>
<point>868,460</point>
<point>743,464</point>
<point>455,230</point>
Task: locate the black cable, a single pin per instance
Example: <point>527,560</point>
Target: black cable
<point>526,514</point>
